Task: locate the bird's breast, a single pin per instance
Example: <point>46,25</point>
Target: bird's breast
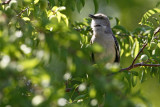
<point>107,43</point>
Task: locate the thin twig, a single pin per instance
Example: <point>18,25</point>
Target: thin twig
<point>68,89</point>
<point>6,2</point>
<point>22,11</point>
<point>138,65</point>
<point>141,50</point>
<point>133,65</point>
<point>149,65</point>
<point>157,30</point>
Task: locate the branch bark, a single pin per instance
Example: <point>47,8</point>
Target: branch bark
<point>22,11</point>
<point>133,65</point>
<point>157,30</point>
<point>6,2</point>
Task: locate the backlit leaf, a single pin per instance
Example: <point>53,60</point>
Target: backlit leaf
<point>96,6</point>
<point>147,15</point>
<point>30,63</point>
<point>26,18</point>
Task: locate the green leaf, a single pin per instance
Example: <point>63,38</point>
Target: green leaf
<point>128,76</point>
<point>36,1</point>
<point>143,75</point>
<point>134,73</point>
<point>117,21</point>
<point>145,100</point>
<point>147,15</point>
<point>49,13</point>
<point>72,4</point>
<point>156,19</point>
<point>26,18</point>
<point>52,2</point>
<point>65,19</point>
<point>55,8</point>
<point>79,5</point>
<point>30,63</point>
<point>80,97</point>
<point>154,71</point>
<point>96,6</point>
<point>131,39</point>
<point>158,4</point>
<point>83,2</point>
<point>61,8</point>
<point>59,16</point>
<point>121,28</point>
<point>134,80</point>
<point>135,48</point>
<point>92,93</point>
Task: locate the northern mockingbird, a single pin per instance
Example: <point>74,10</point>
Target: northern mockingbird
<point>103,35</point>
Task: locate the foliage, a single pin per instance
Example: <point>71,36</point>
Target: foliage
<point>45,60</point>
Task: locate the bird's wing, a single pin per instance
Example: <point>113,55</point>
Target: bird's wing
<point>117,59</point>
<point>92,54</point>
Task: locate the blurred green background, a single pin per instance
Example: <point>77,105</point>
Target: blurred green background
<point>42,54</point>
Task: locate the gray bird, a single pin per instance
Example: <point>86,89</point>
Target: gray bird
<point>103,35</point>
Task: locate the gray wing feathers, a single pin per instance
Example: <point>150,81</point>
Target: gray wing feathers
<point>117,59</point>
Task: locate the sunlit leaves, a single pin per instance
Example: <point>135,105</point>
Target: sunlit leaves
<point>26,19</point>
<point>38,99</point>
<point>55,12</point>
<point>113,67</point>
<point>92,93</point>
<point>29,64</point>
<point>117,21</point>
<point>36,1</point>
<point>144,20</point>
<point>122,29</point>
<point>42,55</point>
<point>13,4</point>
<point>62,102</point>
<point>4,61</point>
<point>135,48</point>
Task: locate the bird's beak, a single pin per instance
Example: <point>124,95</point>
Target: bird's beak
<point>92,16</point>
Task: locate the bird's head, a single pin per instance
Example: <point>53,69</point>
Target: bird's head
<point>99,20</point>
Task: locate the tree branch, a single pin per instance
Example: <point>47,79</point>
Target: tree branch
<point>6,2</point>
<point>157,30</point>
<point>138,65</point>
<point>141,50</point>
<point>22,11</point>
<point>133,65</point>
